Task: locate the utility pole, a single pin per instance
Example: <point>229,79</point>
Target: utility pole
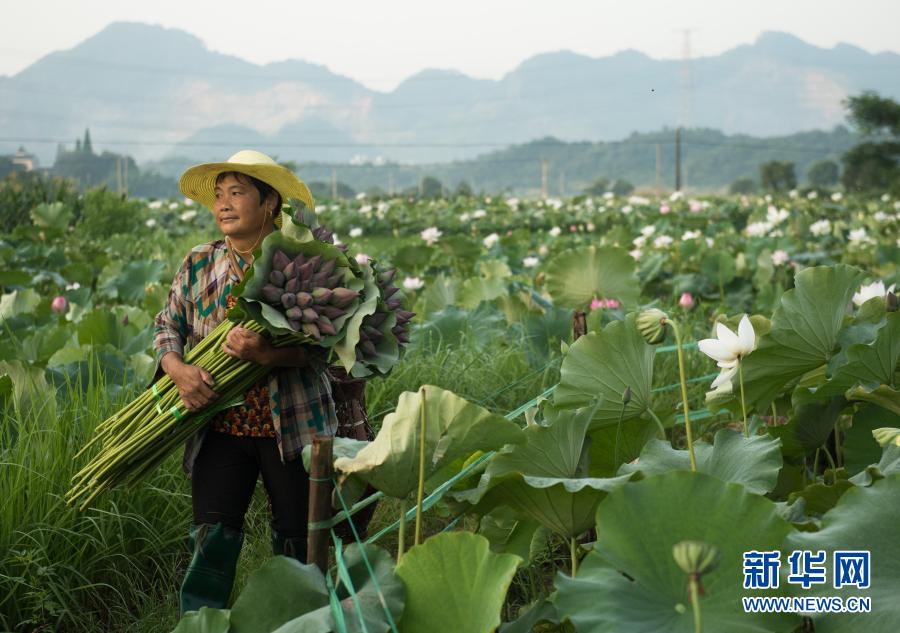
<point>390,183</point>
<point>125,162</point>
<point>333,184</point>
<point>678,159</point>
<point>118,174</point>
<point>545,172</point>
<point>562,184</point>
<point>658,170</point>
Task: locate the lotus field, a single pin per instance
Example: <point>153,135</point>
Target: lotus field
<point>731,415</point>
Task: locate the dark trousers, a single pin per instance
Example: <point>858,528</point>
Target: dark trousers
<point>224,478</point>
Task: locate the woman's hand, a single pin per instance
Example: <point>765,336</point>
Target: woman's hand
<point>194,385</point>
<point>249,346</point>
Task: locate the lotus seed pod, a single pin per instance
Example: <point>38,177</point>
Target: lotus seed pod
<point>305,272</point>
<point>290,271</point>
<point>295,325</point>
<point>325,326</point>
<point>288,300</point>
<point>292,285</point>
<point>342,297</point>
<point>334,280</point>
<point>299,260</point>
<point>328,267</point>
<point>309,315</point>
<point>368,348</point>
<point>305,286</point>
<point>277,278</point>
<point>294,314</point>
<point>652,324</point>
<point>321,296</point>
<point>332,312</point>
<point>280,260</point>
<point>318,280</point>
<point>304,299</point>
<point>311,330</point>
<point>271,293</point>
<point>695,557</point>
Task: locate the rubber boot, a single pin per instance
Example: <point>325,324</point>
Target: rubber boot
<point>210,575</point>
<point>294,547</point>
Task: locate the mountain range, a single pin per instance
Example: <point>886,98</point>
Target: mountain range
<point>158,93</point>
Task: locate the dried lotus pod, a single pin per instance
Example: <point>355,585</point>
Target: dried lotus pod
<point>288,300</point>
<point>272,294</point>
<point>280,260</point>
<point>276,277</point>
<point>304,299</point>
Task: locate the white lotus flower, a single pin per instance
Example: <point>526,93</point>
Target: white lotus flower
<point>812,195</point>
<point>885,197</point>
<point>187,216</point>
<point>543,251</point>
<point>627,209</point>
<point>820,228</point>
<point>636,253</point>
<point>362,259</point>
<point>780,257</point>
<point>478,214</point>
<point>464,217</point>
<point>663,241</point>
<point>776,216</point>
<point>758,229</point>
<point>729,348</point>
<point>530,262</point>
<point>647,231</point>
<point>490,240</point>
<point>639,241</point>
<point>320,208</point>
<point>858,236</point>
<point>173,205</point>
<point>431,235</point>
<point>156,204</point>
<point>366,209</point>
<point>555,231</point>
<point>876,289</point>
<point>356,231</point>
<point>361,195</point>
<point>188,202</point>
<point>836,196</point>
<point>413,283</point>
<point>690,235</point>
<point>150,223</point>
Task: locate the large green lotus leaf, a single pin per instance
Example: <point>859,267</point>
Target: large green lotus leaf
<point>508,533</point>
<point>440,292</point>
<point>130,284</point>
<point>454,427</point>
<point>262,606</point>
<point>858,447</point>
<point>822,496</point>
<point>367,596</point>
<point>454,583</point>
<point>18,302</point>
<point>751,461</point>
<point>884,396</point>
<point>868,364</point>
<point>887,465</point>
<point>602,365</point>
<point>346,348</point>
<point>576,277</point>
<point>804,335</point>
<point>632,438</point>
<point>637,526</point>
<point>808,426</point>
<point>249,292</point>
<point>545,479</point>
<point>542,610</point>
<point>863,519</point>
<point>206,620</point>
<point>52,215</point>
<point>295,230</point>
<point>387,350</point>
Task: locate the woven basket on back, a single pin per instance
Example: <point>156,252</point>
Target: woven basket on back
<point>353,422</point>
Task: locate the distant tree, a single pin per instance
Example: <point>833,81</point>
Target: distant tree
<point>622,187</point>
<point>322,190</point>
<point>431,187</point>
<point>873,164</point>
<point>598,187</point>
<point>742,186</point>
<point>375,192</point>
<point>823,173</point>
<point>87,147</point>
<point>463,190</point>
<point>777,175</point>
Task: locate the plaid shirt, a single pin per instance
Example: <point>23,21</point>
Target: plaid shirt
<point>300,398</point>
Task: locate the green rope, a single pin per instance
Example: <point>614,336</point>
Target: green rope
<point>344,576</point>
<point>337,613</point>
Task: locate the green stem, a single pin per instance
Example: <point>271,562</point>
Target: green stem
<point>573,550</point>
<point>774,413</point>
<point>816,465</point>
<point>837,444</point>
<point>684,397</point>
<point>695,604</point>
<point>659,424</point>
<point>829,457</point>
<point>401,535</point>
<point>743,405</point>
<point>618,433</point>
<point>421,492</point>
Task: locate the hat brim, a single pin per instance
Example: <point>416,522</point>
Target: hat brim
<point>199,182</point>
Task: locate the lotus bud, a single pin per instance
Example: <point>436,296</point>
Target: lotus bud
<point>394,303</point>
<point>323,234</point>
<point>314,260</point>
<point>290,271</point>
<point>388,276</point>
<point>652,325</point>
<point>280,260</point>
<point>359,354</point>
<point>376,319</point>
<point>626,395</point>
<point>695,557</point>
<point>332,312</point>
<point>402,337</point>
<point>343,297</point>
<point>277,278</point>
<point>294,314</point>
<point>288,300</point>
<point>305,271</point>
<point>318,280</point>
<point>292,285</point>
<point>325,326</point>
<point>272,294</point>
<point>304,299</point>
<point>891,300</point>
<point>321,296</point>
<point>334,280</point>
<point>59,304</point>
<point>368,348</point>
<point>309,315</point>
<point>390,291</point>
<point>305,286</point>
<point>295,324</point>
<point>404,316</point>
<point>328,267</point>
<point>299,260</point>
<point>310,329</point>
<point>372,332</point>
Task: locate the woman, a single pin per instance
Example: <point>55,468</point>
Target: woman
<point>280,414</point>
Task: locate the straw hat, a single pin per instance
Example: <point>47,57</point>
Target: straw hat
<point>199,182</point>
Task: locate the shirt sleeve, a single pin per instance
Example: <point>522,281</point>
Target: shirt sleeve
<point>171,325</point>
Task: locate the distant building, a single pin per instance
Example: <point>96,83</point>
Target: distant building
<point>25,160</point>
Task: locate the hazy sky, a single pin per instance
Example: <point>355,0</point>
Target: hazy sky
<point>381,43</point>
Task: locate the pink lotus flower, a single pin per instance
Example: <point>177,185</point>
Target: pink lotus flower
<point>362,259</point>
<point>610,304</point>
<point>696,206</point>
<point>573,228</point>
<point>664,209</point>
<point>686,301</point>
<point>59,304</point>
<point>596,303</point>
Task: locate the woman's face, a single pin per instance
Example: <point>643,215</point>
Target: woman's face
<point>238,209</point>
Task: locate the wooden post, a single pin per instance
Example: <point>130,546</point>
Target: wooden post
<point>320,487</point>
<point>579,325</point>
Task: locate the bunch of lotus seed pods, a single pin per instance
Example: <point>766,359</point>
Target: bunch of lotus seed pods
<point>370,333</point>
